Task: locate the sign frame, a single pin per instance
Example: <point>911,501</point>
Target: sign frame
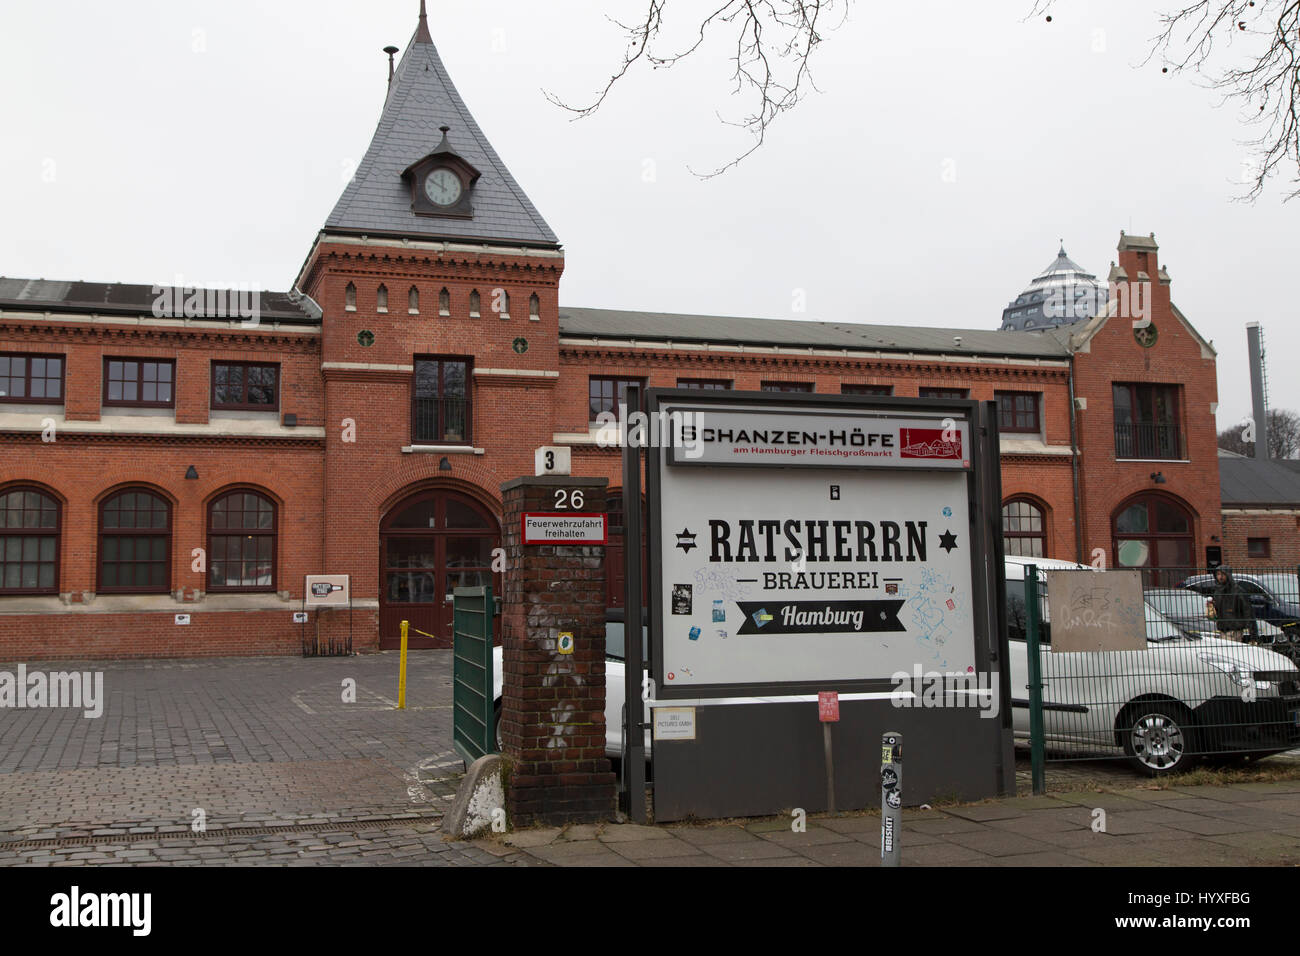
<point>661,401</point>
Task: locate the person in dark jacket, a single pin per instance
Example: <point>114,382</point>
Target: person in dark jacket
<point>1230,607</point>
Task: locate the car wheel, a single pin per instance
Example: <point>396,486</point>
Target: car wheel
<point>496,725</point>
<point>1157,738</point>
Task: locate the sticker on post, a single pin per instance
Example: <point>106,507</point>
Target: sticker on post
<point>828,706</point>
<point>674,723</point>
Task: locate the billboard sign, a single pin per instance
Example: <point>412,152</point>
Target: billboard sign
<point>326,590</point>
<point>806,546</point>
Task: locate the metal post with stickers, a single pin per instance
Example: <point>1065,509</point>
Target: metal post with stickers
<point>805,543</point>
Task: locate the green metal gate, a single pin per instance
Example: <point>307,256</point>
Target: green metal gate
<point>473,733</point>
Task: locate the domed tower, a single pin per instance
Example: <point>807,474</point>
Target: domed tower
<point>1062,293</point>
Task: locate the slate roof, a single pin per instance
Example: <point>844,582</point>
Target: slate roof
<point>611,323</point>
<point>114,298</point>
<point>378,201</point>
<point>1248,483</point>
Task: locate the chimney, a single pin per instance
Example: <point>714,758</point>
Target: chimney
<point>1255,353</point>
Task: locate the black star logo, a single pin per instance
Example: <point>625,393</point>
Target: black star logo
<point>686,540</point>
<point>948,541</point>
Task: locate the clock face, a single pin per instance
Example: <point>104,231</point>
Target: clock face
<point>442,186</point>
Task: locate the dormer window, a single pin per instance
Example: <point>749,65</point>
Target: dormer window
<point>413,301</point>
<point>535,308</point>
<point>441,183</point>
<point>381,299</point>
<point>474,303</point>
<point>444,302</point>
<point>350,298</point>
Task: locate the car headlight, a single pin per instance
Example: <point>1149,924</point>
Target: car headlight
<point>1232,669</point>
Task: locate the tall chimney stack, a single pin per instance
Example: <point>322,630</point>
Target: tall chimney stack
<point>1255,351</point>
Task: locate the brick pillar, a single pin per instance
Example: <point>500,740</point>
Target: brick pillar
<point>553,705</point>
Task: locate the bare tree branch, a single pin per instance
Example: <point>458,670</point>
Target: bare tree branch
<point>1266,89</point>
<point>774,41</point>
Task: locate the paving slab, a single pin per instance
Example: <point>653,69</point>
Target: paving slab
<point>655,849</point>
<point>632,832</point>
<point>813,836</point>
<point>746,852</point>
<point>982,813</point>
<point>702,836</point>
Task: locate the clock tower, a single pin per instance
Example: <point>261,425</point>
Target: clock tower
<point>439,285</point>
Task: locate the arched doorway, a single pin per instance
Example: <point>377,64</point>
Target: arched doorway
<point>1154,532</point>
<point>429,544</point>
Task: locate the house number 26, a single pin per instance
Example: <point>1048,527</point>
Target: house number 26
<point>565,499</point>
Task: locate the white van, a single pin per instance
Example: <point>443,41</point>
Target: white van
<point>1183,697</point>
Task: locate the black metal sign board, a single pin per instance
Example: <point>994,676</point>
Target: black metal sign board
<point>811,543</point>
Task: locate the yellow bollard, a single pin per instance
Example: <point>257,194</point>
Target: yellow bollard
<point>401,673</point>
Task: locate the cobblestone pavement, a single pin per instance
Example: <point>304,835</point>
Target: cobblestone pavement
<point>252,744</point>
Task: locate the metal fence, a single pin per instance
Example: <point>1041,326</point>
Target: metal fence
<point>1212,679</point>
<point>473,720</point>
<point>1148,440</point>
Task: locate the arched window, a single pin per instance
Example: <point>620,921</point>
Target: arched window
<point>29,542</point>
<point>350,298</point>
<point>444,302</point>
<point>474,303</point>
<point>135,538</point>
<point>1154,531</point>
<point>413,301</point>
<point>535,308</point>
<point>381,299</point>
<point>1024,529</point>
<point>503,303</point>
<point>241,542</point>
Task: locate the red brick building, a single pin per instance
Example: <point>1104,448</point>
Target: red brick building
<point>187,457</point>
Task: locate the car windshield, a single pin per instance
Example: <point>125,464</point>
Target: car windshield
<point>1159,627</point>
<point>1286,586</point>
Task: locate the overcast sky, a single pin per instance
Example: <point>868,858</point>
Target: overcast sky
<point>145,140</point>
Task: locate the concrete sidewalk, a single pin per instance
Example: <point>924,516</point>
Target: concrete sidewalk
<point>1246,824</point>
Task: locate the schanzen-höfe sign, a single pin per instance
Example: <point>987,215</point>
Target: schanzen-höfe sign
<point>805,545</point>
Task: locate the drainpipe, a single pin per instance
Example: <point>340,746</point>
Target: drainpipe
<point>1074,472</point>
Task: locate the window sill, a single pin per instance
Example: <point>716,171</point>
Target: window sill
<point>148,604</point>
<point>1158,461</point>
<point>443,450</point>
